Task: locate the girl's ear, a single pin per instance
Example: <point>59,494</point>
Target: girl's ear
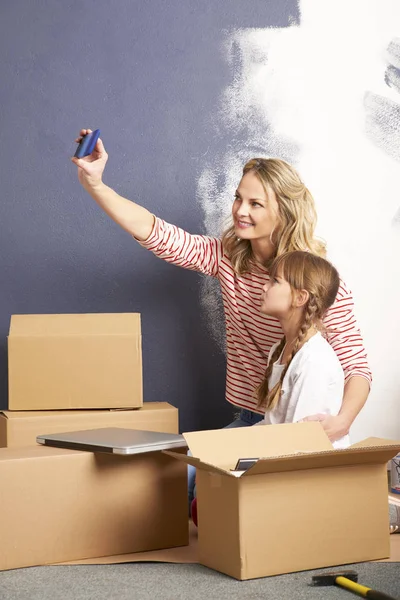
<point>301,298</point>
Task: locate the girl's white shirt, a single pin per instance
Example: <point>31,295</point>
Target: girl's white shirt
<point>314,383</point>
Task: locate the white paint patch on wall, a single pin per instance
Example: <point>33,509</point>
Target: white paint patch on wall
<point>299,93</point>
<point>244,117</point>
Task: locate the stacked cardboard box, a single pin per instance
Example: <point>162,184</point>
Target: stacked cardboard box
<point>75,361</point>
<point>20,428</point>
<point>69,373</point>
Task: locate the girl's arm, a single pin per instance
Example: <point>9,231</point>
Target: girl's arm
<point>316,385</point>
<point>314,388</point>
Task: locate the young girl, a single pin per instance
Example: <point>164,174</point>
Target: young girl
<point>304,375</point>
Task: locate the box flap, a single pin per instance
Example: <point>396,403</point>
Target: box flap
<point>378,453</point>
<point>374,451</point>
<point>375,442</point>
<point>222,447</point>
<point>196,462</point>
<point>75,324</point>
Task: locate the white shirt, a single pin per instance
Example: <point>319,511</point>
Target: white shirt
<point>314,383</point>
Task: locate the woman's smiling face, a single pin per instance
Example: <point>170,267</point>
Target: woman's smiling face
<point>255,211</point>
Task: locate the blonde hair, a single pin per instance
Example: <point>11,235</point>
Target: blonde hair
<point>297,215</point>
<point>302,271</point>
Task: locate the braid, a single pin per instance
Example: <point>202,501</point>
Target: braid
<point>309,318</point>
<point>270,398</point>
<point>262,390</point>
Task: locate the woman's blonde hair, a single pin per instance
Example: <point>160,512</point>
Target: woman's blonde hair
<point>297,215</point>
<point>302,271</point>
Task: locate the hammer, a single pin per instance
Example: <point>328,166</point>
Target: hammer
<point>348,580</point>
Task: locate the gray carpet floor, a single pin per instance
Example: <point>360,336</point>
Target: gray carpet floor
<point>148,581</point>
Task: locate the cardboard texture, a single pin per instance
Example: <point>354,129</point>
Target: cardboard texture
<point>18,429</point>
<point>181,555</point>
<point>189,554</point>
<point>62,505</point>
<point>75,361</point>
<point>249,524</point>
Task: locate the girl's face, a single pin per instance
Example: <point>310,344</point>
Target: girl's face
<point>277,298</point>
<point>255,213</point>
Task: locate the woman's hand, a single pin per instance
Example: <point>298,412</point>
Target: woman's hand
<point>132,217</point>
<point>335,427</point>
<point>90,168</point>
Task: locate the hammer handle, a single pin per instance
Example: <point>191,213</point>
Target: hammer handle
<point>374,595</point>
<point>361,590</point>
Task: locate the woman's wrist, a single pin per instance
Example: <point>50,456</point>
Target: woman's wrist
<point>356,393</point>
<point>95,189</point>
<point>344,422</point>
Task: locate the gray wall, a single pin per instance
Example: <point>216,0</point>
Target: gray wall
<point>149,75</point>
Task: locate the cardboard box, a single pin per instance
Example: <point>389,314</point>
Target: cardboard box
<point>18,429</point>
<point>61,505</point>
<point>297,508</point>
<point>75,361</point>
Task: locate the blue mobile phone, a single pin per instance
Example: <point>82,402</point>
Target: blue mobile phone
<point>87,144</point>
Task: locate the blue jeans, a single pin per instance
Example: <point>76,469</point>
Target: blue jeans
<point>246,419</point>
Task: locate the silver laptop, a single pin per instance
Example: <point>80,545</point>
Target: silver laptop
<point>115,440</point>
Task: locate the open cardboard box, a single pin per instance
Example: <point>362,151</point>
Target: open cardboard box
<point>75,361</point>
<point>299,507</point>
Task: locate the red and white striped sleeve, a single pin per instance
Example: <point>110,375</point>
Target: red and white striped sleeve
<point>345,337</point>
<point>195,252</point>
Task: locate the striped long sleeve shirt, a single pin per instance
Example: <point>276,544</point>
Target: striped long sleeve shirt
<point>249,333</point>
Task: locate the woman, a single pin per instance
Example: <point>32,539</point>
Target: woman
<point>273,212</point>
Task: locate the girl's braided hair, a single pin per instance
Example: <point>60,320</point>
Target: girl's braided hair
<point>302,271</point>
